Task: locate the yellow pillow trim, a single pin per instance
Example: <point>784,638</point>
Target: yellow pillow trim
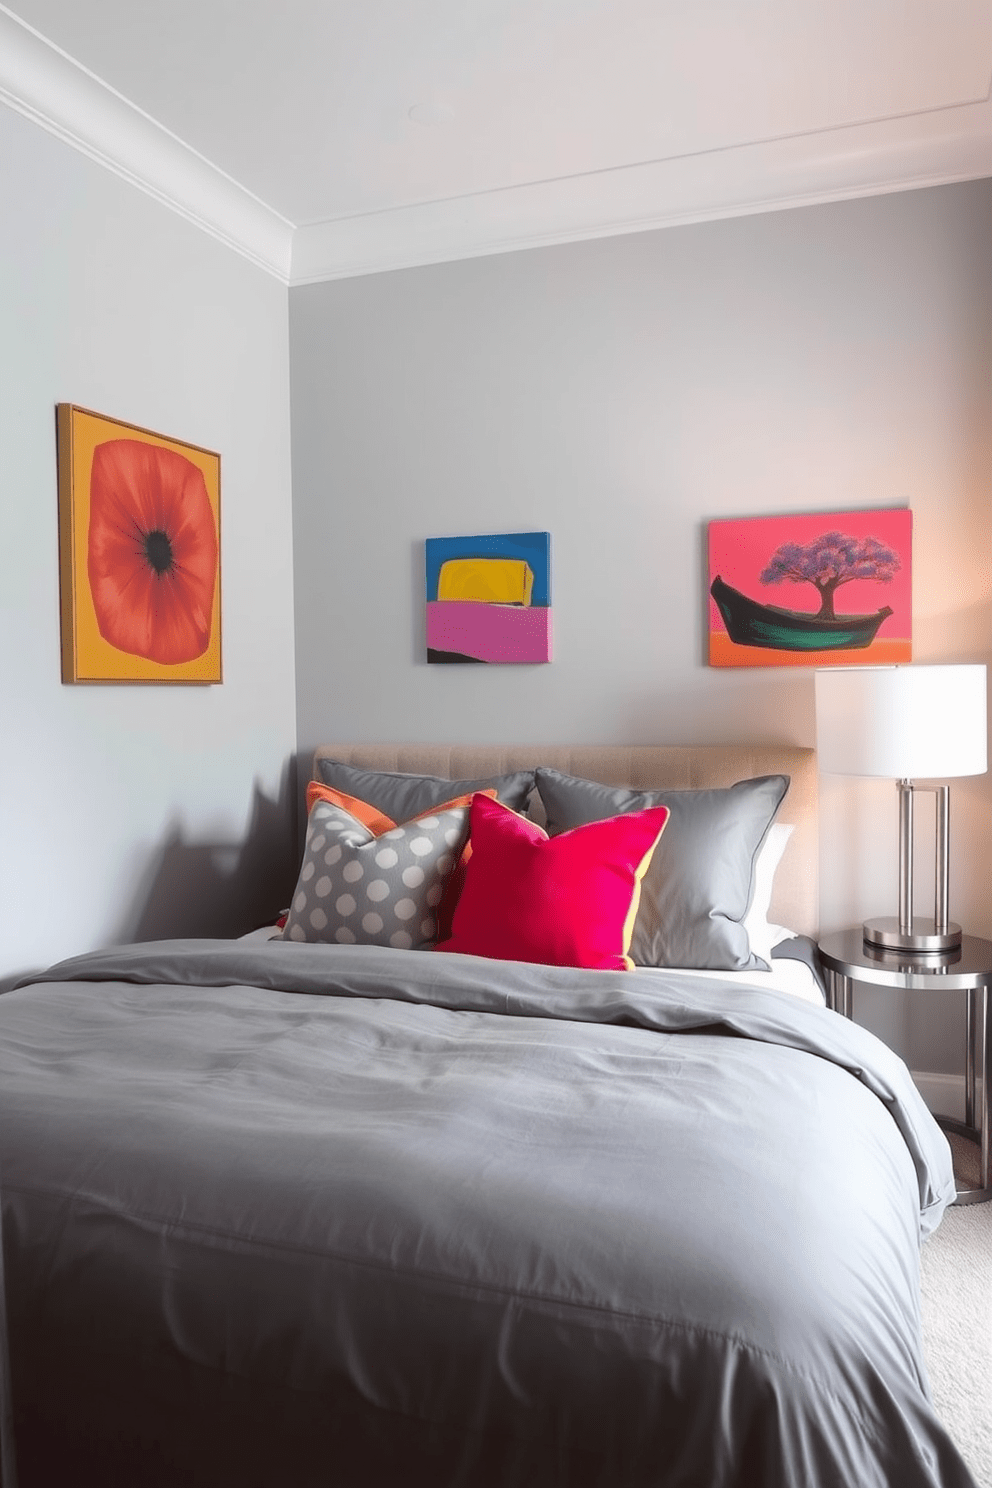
<point>639,872</point>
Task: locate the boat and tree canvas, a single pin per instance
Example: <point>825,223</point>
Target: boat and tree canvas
<point>849,574</point>
<point>489,598</point>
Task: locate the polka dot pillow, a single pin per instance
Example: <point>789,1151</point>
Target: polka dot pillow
<point>356,888</point>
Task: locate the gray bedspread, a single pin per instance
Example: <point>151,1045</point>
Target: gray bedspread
<point>298,1215</point>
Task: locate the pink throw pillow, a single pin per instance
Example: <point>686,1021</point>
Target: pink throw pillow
<point>568,900</point>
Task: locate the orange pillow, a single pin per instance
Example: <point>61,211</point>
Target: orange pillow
<point>378,822</point>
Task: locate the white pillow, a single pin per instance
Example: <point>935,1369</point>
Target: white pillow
<point>760,933</point>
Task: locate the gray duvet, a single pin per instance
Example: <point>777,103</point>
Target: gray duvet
<point>301,1215</point>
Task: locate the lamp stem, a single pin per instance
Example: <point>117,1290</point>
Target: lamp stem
<point>905,788</point>
<point>942,868</point>
<point>921,937</point>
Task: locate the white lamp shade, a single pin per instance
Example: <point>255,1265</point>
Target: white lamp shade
<point>906,723</point>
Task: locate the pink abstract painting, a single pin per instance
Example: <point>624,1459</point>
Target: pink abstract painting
<point>489,598</point>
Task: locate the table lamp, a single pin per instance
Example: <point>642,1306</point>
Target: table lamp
<point>901,723</point>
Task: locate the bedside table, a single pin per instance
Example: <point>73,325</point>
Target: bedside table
<point>848,962</point>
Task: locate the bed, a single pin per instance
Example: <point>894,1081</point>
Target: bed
<point>331,1210</point>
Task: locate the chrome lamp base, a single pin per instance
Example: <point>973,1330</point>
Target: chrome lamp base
<point>907,933</point>
<point>922,936</point>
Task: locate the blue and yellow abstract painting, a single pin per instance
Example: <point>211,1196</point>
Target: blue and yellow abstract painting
<point>489,598</point>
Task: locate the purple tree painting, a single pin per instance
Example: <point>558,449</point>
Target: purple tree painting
<point>830,561</point>
<point>862,549</point>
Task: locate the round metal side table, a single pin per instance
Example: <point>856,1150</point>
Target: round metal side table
<point>847,961</point>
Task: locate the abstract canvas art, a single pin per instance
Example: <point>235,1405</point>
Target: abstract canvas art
<point>489,598</point>
<point>848,576</point>
<point>139,547</point>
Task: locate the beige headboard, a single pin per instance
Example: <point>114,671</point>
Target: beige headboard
<point>646,767</point>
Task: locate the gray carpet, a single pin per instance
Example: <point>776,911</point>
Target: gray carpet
<point>956,1270</point>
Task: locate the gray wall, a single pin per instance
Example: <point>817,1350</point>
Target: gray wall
<point>136,810</point>
<point>620,394</point>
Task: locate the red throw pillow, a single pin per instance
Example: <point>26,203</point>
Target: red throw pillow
<point>568,900</point>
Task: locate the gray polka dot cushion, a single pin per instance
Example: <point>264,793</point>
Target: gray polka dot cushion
<point>358,889</point>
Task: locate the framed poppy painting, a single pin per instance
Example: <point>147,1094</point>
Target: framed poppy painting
<point>139,547</point>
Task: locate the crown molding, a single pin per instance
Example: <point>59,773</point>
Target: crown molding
<point>927,149</point>
<point>44,84</point>
<point>923,149</point>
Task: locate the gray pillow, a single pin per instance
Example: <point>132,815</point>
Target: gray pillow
<point>403,796</point>
<point>359,889</point>
<point>698,886</point>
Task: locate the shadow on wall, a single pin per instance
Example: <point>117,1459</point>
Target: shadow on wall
<point>220,889</point>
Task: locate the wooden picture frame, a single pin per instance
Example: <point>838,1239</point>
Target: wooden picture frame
<point>139,553</point>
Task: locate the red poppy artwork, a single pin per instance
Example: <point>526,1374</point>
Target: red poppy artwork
<point>139,538</point>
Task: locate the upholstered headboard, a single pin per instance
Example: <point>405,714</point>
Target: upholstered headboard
<point>645,767</point>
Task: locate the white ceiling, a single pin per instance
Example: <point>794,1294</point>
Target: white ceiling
<point>325,137</point>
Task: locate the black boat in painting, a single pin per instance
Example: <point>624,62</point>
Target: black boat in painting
<point>752,624</point>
